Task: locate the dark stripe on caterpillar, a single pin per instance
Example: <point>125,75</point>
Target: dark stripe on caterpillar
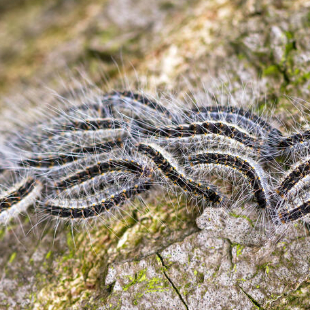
<point>294,214</point>
<point>293,177</point>
<point>294,139</point>
<point>96,209</point>
<point>100,168</point>
<point>16,195</point>
<point>240,164</point>
<point>90,124</point>
<point>208,127</point>
<point>175,176</point>
<point>80,126</point>
<point>77,153</point>
<point>247,116</point>
<point>68,141</point>
<point>112,179</point>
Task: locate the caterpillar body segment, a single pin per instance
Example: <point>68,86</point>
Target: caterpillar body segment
<point>18,191</point>
<point>100,168</point>
<point>231,133</point>
<point>17,194</point>
<point>89,125</point>
<point>76,153</point>
<point>294,176</point>
<point>175,175</point>
<point>249,169</point>
<point>292,209</point>
<point>244,118</point>
<point>66,142</point>
<point>89,209</point>
<point>100,183</point>
<point>183,147</point>
<point>209,128</point>
<point>254,125</point>
<point>294,146</point>
<point>62,150</point>
<point>295,214</point>
<point>297,138</point>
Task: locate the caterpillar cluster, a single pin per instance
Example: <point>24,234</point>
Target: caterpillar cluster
<point>91,158</point>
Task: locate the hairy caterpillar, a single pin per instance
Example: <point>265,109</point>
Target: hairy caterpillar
<point>92,157</point>
<point>246,119</point>
<point>294,176</point>
<point>216,128</point>
<point>18,190</point>
<point>293,213</point>
<point>249,169</point>
<point>76,153</point>
<point>295,145</point>
<point>177,177</point>
<point>98,169</point>
<point>99,183</point>
<point>92,208</point>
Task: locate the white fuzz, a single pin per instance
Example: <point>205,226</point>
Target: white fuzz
<point>90,153</point>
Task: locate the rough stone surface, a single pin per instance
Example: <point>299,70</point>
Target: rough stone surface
<point>168,256</point>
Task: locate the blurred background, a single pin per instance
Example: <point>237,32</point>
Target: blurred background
<point>261,45</point>
<point>164,39</point>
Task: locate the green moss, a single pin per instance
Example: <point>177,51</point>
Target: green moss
<point>139,277</point>
<point>242,216</point>
<point>2,233</point>
<point>290,45</point>
<point>272,70</point>
<point>150,285</point>
<point>265,267</point>
<point>239,249</point>
<point>48,255</point>
<point>12,257</point>
<point>167,5</point>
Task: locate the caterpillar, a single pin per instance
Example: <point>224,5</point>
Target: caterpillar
<point>94,156</point>
<point>18,191</point>
<point>292,140</point>
<point>251,170</point>
<point>76,153</point>
<point>177,177</point>
<point>99,183</point>
<point>292,190</point>
<point>295,175</point>
<point>111,104</point>
<point>295,214</point>
<point>195,144</point>
<point>98,169</point>
<point>244,118</point>
<point>89,124</point>
<point>292,209</point>
<point>295,145</point>
<point>88,209</point>
<point>208,127</point>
